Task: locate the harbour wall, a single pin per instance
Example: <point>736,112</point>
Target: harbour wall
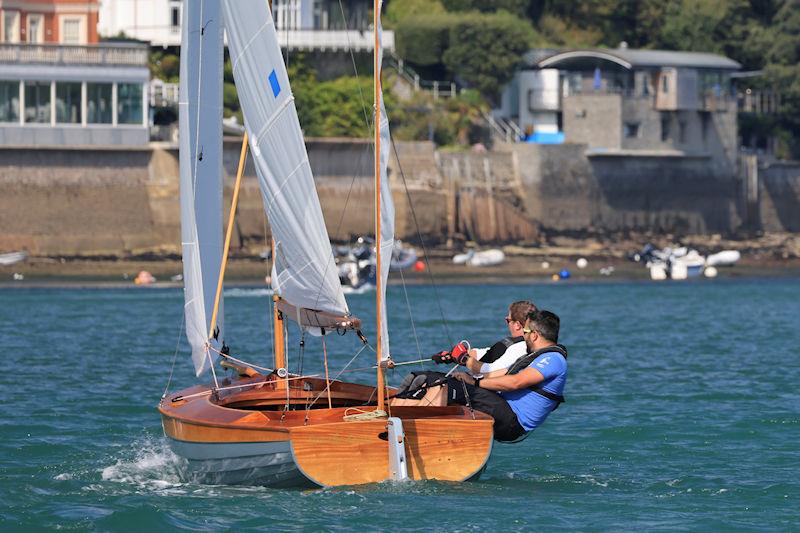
<point>115,201</point>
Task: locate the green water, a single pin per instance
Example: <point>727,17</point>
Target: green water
<point>683,413</point>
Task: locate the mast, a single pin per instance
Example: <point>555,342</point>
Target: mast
<point>376,90</point>
<point>278,340</point>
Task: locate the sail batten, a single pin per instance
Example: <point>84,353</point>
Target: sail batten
<point>200,110</point>
<point>281,161</point>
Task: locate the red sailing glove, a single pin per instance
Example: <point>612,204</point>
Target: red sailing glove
<point>458,354</point>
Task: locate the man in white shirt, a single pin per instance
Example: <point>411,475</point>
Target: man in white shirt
<point>495,359</point>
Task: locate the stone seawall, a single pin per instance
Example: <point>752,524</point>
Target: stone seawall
<point>778,194</point>
<point>125,201</point>
<point>119,202</point>
<point>569,190</point>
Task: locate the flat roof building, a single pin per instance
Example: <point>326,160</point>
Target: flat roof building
<point>622,100</point>
<point>92,95</point>
<point>301,24</point>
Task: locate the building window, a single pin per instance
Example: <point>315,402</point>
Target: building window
<point>11,26</point>
<point>98,103</point>
<point>68,103</point>
<point>175,18</point>
<point>9,101</point>
<point>665,122</point>
<point>129,103</point>
<point>35,29</point>
<point>287,14</point>
<point>631,129</point>
<point>682,131</point>
<point>37,102</point>
<point>71,31</point>
<point>664,83</point>
<point>705,119</point>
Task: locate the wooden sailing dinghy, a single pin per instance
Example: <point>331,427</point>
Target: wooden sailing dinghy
<point>274,428</point>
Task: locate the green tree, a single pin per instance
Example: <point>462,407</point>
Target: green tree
<point>486,49</point>
<point>783,73</point>
<point>422,39</point>
<point>704,25</point>
<point>518,7</point>
<point>399,10</point>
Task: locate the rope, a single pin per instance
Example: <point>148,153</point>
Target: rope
<point>361,157</point>
<point>362,414</point>
<point>336,378</point>
<point>175,355</point>
<point>422,243</point>
<point>232,358</point>
<point>242,386</point>
<point>411,318</point>
<point>211,364</point>
<point>327,379</point>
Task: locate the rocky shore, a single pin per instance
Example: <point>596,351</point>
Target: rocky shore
<point>770,255</point>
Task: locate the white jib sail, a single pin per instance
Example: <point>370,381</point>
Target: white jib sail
<point>200,109</point>
<point>387,205</point>
<point>305,273</point>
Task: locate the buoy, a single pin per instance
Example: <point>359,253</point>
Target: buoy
<point>144,278</point>
<point>554,277</point>
<point>564,274</point>
<point>545,264</point>
<point>710,272</point>
<point>419,266</point>
<point>582,262</point>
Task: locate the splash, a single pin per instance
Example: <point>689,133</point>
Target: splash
<point>148,463</point>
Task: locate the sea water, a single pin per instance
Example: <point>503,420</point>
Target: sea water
<point>682,412</point>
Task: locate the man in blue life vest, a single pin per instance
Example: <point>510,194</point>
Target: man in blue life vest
<point>521,399</point>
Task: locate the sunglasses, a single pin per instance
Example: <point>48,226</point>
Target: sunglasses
<point>509,320</point>
<point>527,331</point>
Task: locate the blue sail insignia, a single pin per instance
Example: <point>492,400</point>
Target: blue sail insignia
<point>273,82</point>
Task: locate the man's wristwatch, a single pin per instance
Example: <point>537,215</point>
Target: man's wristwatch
<point>477,380</point>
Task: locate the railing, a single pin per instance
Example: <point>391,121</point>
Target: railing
<point>163,94</point>
<point>53,54</point>
<point>758,102</point>
<point>443,89</point>
<point>333,40</point>
<point>503,129</point>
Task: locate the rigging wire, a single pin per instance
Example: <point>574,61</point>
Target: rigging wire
<point>422,243</point>
<point>175,355</point>
<point>366,122</point>
<point>411,316</point>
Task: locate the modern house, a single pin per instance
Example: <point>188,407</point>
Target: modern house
<point>70,95</point>
<point>622,100</point>
<point>320,25</point>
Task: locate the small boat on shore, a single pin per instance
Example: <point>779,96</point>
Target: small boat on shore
<point>723,258</point>
<point>12,258</point>
<point>483,258</point>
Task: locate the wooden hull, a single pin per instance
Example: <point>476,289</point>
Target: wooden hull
<point>247,438</point>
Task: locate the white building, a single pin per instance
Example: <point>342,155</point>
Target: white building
<point>70,95</point>
<point>301,24</point>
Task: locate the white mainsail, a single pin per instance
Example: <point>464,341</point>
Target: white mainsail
<point>305,273</point>
<point>387,205</point>
<point>200,109</point>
